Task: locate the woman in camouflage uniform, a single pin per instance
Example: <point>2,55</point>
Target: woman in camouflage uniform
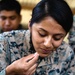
<point>41,49</point>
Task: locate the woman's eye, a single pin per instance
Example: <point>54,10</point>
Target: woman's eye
<point>58,38</point>
<point>42,35</point>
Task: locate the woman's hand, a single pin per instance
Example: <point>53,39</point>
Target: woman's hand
<point>24,66</point>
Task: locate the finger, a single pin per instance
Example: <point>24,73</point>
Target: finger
<point>33,56</point>
<point>32,69</point>
<point>33,72</point>
<point>29,57</point>
<point>33,60</point>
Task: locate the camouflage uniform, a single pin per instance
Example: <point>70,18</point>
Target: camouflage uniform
<point>15,44</point>
<point>71,36</point>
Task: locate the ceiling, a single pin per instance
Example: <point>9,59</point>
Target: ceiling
<point>29,4</point>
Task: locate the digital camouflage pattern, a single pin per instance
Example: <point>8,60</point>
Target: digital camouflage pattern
<point>15,44</point>
<point>71,36</point>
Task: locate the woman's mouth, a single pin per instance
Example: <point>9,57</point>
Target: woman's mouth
<point>46,51</point>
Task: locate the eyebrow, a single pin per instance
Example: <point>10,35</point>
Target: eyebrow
<point>6,16</point>
<point>43,29</point>
<point>60,34</point>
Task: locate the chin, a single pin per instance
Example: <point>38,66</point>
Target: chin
<point>43,55</point>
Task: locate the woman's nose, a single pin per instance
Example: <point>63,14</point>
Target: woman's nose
<point>48,42</point>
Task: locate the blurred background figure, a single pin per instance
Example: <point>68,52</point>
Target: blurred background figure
<point>10,17</point>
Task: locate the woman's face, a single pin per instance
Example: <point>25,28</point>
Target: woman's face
<point>47,35</point>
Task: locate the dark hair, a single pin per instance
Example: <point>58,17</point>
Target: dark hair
<point>57,9</point>
<point>10,5</point>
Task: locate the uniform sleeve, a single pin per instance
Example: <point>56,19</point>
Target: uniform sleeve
<point>3,72</point>
<point>3,54</point>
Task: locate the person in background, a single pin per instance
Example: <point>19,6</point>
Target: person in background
<point>40,50</point>
<point>10,16</point>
